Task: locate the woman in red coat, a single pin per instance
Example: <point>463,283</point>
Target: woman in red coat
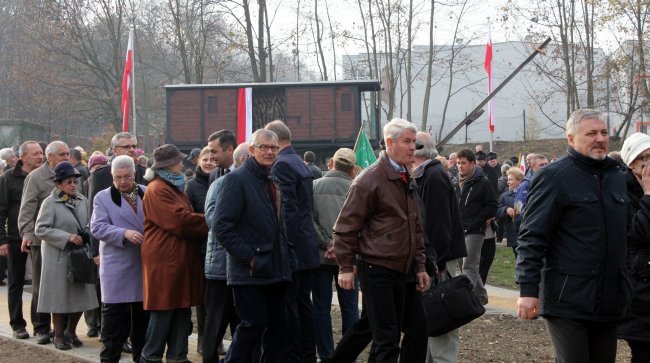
<point>171,262</point>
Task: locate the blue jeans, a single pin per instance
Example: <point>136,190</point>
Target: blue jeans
<point>322,298</point>
<point>168,328</point>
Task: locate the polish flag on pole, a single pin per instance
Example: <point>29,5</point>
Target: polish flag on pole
<point>488,70</point>
<point>126,84</point>
<point>244,114</point>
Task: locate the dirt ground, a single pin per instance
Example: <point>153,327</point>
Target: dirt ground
<point>491,338</point>
<point>12,350</point>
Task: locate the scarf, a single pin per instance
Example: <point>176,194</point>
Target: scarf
<point>417,172</point>
<point>463,179</point>
<point>132,197</point>
<point>177,180</point>
<point>67,198</point>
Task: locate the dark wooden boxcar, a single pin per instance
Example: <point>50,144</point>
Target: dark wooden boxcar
<point>322,116</point>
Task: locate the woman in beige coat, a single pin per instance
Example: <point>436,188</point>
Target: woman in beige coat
<point>63,214</point>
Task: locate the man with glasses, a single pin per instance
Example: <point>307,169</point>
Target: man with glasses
<point>249,223</point>
<point>38,185</point>
<point>122,143</point>
<point>296,182</point>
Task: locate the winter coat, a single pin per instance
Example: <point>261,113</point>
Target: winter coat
<point>196,190</point>
<point>120,268</point>
<point>54,226</point>
<point>511,227</point>
<point>636,325</point>
<point>38,186</point>
<point>329,196</point>
<point>215,254</point>
<point>315,171</point>
<point>440,213</point>
<point>572,241</point>
<point>11,191</point>
<point>380,222</point>
<point>478,203</point>
<point>296,182</point>
<point>171,260</point>
<point>249,225</point>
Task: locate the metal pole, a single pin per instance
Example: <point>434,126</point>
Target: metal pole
<point>135,121</point>
<point>608,99</point>
<point>466,126</point>
<point>524,124</point>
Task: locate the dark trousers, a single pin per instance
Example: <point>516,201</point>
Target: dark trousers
<point>640,351</point>
<point>414,342</point>
<point>262,313</point>
<point>488,250</point>
<point>219,313</point>
<point>577,341</point>
<point>16,280</point>
<point>302,343</point>
<point>322,280</point>
<point>3,267</point>
<point>168,328</point>
<point>41,321</point>
<point>384,292</point>
<point>120,320</point>
<point>93,317</point>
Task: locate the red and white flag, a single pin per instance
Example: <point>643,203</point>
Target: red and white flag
<point>126,84</point>
<point>488,70</point>
<point>244,114</point>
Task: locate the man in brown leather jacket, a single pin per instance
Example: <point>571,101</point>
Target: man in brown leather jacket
<point>379,229</point>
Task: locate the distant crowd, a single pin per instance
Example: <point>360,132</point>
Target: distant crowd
<point>257,238</point>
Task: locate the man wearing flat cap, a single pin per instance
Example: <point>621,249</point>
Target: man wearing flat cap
<point>329,196</point>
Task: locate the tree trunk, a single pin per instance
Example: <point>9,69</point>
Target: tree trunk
<point>427,89</point>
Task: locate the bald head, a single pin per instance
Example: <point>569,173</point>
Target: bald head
<point>241,153</point>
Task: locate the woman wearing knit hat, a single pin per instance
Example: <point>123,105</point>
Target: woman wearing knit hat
<point>635,329</point>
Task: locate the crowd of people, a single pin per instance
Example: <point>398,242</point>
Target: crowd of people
<point>259,237</point>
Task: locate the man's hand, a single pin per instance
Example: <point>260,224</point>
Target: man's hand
<point>528,307</point>
<point>329,253</point>
<point>24,246</point>
<point>346,280</point>
<point>96,259</point>
<point>4,250</point>
<point>424,281</point>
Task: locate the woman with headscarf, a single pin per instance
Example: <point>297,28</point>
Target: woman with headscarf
<point>171,261</point>
<point>61,225</point>
<point>196,190</point>
<point>118,223</point>
<point>635,328</point>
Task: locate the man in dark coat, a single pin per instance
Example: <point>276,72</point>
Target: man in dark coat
<point>443,228</point>
<point>478,204</point>
<point>249,224</point>
<point>310,159</point>
<point>572,240</point>
<point>11,191</point>
<point>296,182</point>
<point>122,143</point>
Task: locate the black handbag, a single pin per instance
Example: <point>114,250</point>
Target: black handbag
<point>81,266</point>
<point>80,262</point>
<point>450,304</point>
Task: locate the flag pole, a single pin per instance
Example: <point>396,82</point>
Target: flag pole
<point>361,129</point>
<point>135,121</point>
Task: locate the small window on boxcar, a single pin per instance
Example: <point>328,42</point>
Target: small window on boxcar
<point>346,102</point>
<point>212,104</point>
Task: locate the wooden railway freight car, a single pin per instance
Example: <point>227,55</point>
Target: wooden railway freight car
<point>322,116</point>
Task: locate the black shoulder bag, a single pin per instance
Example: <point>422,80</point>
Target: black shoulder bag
<point>81,266</point>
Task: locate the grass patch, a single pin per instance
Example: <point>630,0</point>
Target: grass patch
<point>502,272</point>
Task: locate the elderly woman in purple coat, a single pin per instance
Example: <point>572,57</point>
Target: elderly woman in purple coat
<point>117,221</point>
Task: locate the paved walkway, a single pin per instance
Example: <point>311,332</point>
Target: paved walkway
<point>501,301</point>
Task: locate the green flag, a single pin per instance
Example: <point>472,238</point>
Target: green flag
<point>364,153</point>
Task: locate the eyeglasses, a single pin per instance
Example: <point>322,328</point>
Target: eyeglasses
<point>265,148</point>
<point>128,146</point>
<point>126,178</point>
<point>69,181</point>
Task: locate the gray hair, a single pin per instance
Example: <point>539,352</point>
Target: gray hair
<point>6,153</point>
<point>580,115</point>
<point>115,141</point>
<point>53,147</point>
<point>263,134</point>
<point>281,130</point>
<point>394,129</point>
<point>505,168</point>
<point>24,147</point>
<point>122,162</point>
<point>428,150</point>
<point>241,151</point>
